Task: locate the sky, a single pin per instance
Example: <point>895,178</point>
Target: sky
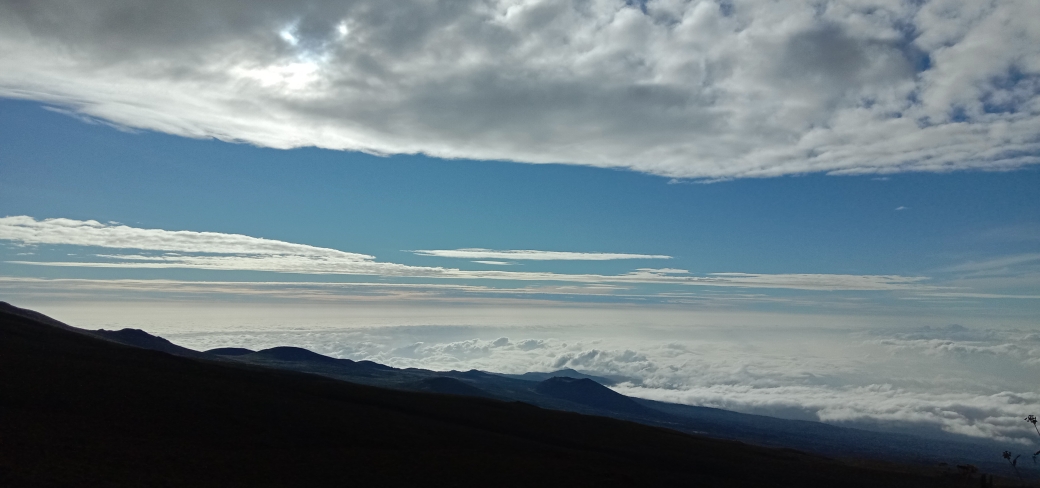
<point>826,210</point>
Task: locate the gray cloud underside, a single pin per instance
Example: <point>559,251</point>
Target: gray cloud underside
<point>234,252</point>
<point>532,255</point>
<point>687,89</point>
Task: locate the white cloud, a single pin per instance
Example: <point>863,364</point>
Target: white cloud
<point>664,270</point>
<point>999,264</point>
<point>494,263</point>
<point>686,89</point>
<point>234,252</point>
<point>995,416</point>
<point>762,375</point>
<point>793,372</point>
<point>476,253</point>
<point>27,230</point>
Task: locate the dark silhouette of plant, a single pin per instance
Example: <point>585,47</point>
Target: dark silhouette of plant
<point>1032,419</point>
<point>1013,463</point>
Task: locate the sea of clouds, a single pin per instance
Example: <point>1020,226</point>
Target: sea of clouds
<point>947,380</point>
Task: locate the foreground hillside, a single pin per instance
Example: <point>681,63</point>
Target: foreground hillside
<point>77,410</point>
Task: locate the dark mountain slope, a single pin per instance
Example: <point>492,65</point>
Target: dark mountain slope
<point>79,411</point>
<point>448,386</point>
<point>588,392</point>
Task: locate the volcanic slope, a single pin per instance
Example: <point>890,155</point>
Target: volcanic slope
<point>78,410</point>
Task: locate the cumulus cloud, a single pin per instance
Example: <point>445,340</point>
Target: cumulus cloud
<point>234,252</point>
<point>682,88</point>
<point>476,253</point>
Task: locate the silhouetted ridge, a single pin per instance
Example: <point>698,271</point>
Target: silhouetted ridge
<point>476,374</point>
<point>566,373</point>
<point>449,386</point>
<point>286,353</point>
<point>230,351</point>
<point>35,316</point>
<point>144,340</point>
<point>373,365</point>
<point>588,392</point>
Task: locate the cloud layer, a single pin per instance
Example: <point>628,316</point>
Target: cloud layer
<point>235,252</point>
<point>688,89</point>
<point>865,378</point>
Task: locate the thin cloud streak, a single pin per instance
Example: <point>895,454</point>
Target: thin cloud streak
<point>27,230</point>
<point>234,252</point>
<point>307,265</point>
<point>532,255</point>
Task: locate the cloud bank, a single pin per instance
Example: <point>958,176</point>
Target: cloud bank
<point>687,89</point>
<point>859,378</point>
<point>235,252</point>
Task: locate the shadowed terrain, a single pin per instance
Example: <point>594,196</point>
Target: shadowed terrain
<point>79,410</point>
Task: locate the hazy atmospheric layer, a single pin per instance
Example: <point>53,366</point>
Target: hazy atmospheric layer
<point>873,372</point>
<point>687,89</point>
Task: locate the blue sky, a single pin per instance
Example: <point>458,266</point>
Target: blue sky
<point>913,225</point>
<point>819,209</point>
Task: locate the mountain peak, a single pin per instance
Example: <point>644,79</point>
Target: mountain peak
<point>230,351</point>
<point>587,392</point>
<point>288,353</point>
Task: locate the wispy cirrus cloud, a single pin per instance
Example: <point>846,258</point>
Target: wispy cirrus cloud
<point>686,89</point>
<point>234,252</point>
<point>997,264</point>
<point>532,255</point>
<point>27,230</point>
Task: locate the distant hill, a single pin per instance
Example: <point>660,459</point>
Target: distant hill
<point>230,351</point>
<point>588,392</point>
<point>566,373</point>
<point>79,410</point>
<point>285,353</point>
